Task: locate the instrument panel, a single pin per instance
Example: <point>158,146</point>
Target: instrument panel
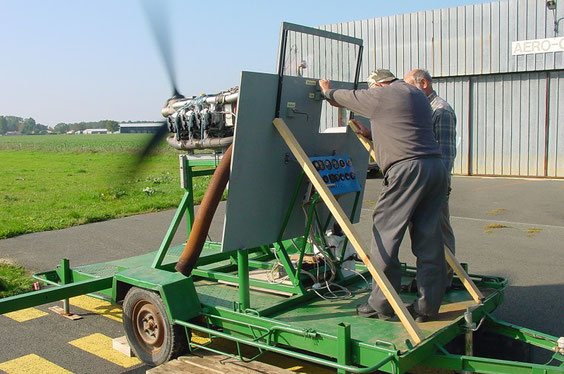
<point>337,172</point>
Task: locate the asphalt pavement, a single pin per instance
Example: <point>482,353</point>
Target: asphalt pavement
<point>506,227</point>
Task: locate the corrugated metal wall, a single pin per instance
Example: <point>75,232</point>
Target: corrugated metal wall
<point>555,157</point>
<point>509,119</point>
<point>466,40</point>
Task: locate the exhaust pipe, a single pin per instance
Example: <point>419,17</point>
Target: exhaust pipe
<point>190,144</point>
<point>204,216</point>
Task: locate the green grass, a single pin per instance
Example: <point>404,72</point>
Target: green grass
<point>81,143</point>
<point>14,280</point>
<point>53,182</point>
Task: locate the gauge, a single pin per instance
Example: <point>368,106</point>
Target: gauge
<point>328,165</point>
<point>335,164</point>
<point>349,162</point>
<point>342,163</point>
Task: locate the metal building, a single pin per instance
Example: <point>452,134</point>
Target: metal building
<point>499,64</point>
<point>139,128</point>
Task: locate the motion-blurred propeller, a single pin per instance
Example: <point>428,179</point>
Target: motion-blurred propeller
<point>157,16</point>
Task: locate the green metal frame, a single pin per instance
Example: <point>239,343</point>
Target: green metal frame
<point>245,323</point>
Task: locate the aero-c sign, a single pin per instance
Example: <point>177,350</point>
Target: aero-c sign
<point>526,47</point>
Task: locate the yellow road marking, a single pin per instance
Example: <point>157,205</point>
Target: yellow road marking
<point>31,364</point>
<point>100,345</point>
<point>25,314</point>
<point>98,306</point>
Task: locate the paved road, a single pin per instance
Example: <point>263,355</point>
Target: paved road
<point>528,251</point>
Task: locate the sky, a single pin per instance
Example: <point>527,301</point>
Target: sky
<point>77,60</point>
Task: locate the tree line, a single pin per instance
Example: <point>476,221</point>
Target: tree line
<point>21,125</point>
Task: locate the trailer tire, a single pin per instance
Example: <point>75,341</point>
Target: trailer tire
<point>151,336</point>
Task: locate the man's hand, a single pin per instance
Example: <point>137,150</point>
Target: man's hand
<point>361,129</point>
<point>325,84</point>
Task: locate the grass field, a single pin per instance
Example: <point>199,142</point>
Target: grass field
<point>53,182</point>
<point>14,280</point>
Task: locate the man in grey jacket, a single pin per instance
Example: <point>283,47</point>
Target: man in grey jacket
<point>414,187</point>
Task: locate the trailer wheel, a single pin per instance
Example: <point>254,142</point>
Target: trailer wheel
<point>151,336</point>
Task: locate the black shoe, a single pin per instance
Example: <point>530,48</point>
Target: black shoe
<point>419,318</point>
<point>454,287</point>
<point>365,310</point>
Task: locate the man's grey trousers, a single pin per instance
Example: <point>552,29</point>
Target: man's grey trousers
<point>412,196</point>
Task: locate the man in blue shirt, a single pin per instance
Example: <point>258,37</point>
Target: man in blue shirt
<point>444,127</point>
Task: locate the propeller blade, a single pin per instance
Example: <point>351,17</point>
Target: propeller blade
<point>153,142</point>
<point>156,13</point>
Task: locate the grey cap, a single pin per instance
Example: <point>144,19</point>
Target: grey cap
<point>379,76</point>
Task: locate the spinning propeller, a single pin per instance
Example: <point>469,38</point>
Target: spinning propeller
<point>156,13</point>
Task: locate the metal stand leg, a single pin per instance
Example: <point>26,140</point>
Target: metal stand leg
<point>243,269</point>
<point>65,279</point>
<point>344,346</point>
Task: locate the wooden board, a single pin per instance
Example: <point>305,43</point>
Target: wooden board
<point>215,364</point>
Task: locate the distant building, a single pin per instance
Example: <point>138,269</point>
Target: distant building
<point>139,128</point>
<point>95,131</point>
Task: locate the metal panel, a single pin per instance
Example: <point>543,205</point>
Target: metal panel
<point>477,40</point>
<point>436,64</point>
<point>455,92</point>
<point>263,183</point>
<point>555,159</point>
<point>452,40</point>
<point>494,47</point>
<point>508,135</point>
<point>512,33</point>
<point>400,43</point>
<point>507,124</point>
<point>503,38</point>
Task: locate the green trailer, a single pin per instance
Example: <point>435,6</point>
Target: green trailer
<point>276,282</point>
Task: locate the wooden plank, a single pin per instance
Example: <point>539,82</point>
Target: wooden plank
<point>215,364</point>
<point>464,278</point>
<point>61,311</point>
<point>340,216</point>
<point>364,140</point>
<point>451,260</point>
